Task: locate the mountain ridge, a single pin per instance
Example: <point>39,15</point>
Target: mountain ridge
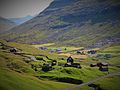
<point>72,23</point>
<point>21,20</point>
<point>5,24</point>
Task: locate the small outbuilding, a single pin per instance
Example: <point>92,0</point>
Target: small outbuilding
<point>93,65</point>
<point>77,65</point>
<point>13,50</point>
<point>92,52</point>
<point>52,50</point>
<point>54,62</point>
<point>43,48</point>
<point>103,66</point>
<point>78,52</point>
<point>59,50</point>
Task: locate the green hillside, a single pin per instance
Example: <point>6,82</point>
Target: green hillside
<point>69,44</point>
<point>111,83</point>
<point>16,71</point>
<point>87,23</point>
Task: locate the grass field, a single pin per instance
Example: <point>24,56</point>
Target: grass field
<point>15,74</point>
<point>10,80</point>
<point>14,68</point>
<point>54,47</point>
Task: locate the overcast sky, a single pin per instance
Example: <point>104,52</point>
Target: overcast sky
<point>21,8</point>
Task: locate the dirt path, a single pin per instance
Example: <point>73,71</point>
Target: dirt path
<point>90,82</point>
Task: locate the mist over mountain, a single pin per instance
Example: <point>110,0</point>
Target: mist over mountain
<point>5,24</point>
<point>92,23</point>
<point>21,20</point>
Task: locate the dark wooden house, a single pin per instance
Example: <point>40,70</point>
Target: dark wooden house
<point>70,63</point>
<point>13,50</point>
<point>103,66</point>
<point>70,60</point>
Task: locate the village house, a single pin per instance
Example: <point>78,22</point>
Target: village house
<point>102,66</point>
<point>13,50</point>
<point>70,63</point>
<point>92,52</point>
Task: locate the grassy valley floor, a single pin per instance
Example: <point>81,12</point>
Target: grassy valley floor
<point>17,73</point>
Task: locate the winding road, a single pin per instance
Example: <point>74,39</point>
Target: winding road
<point>90,82</point>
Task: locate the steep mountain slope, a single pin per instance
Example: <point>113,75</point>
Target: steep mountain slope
<point>5,24</point>
<point>72,22</point>
<point>21,19</point>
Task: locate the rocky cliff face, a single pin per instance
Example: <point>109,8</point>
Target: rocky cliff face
<point>72,22</point>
